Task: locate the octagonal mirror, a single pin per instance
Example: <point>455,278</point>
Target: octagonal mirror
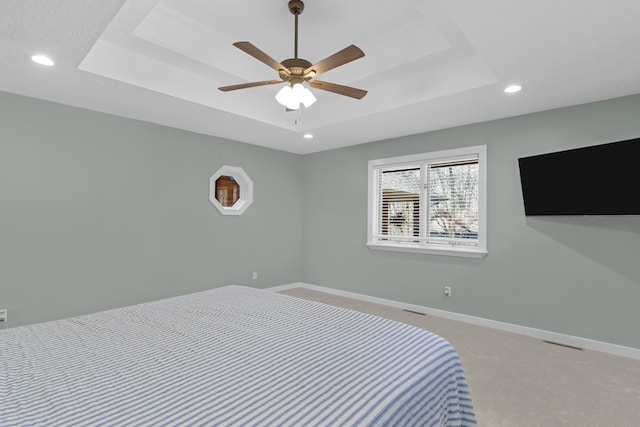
<point>231,190</point>
<point>227,191</point>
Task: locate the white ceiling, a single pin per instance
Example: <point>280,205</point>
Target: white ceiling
<point>429,64</point>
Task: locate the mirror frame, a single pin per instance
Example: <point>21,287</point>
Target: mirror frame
<point>246,190</point>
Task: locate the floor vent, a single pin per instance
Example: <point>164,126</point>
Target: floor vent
<point>563,345</point>
<point>414,312</point>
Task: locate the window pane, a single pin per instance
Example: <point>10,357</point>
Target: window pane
<point>400,203</point>
<point>453,202</point>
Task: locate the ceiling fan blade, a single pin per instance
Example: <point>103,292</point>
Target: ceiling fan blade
<point>348,54</point>
<point>261,56</point>
<point>252,84</point>
<point>339,89</point>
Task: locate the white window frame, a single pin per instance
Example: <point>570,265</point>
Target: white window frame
<point>478,251</point>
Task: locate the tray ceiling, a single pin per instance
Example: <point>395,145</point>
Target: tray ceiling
<point>428,64</point>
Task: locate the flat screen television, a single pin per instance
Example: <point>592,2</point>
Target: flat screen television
<point>597,180</point>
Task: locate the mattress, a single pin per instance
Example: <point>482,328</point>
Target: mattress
<point>232,356</point>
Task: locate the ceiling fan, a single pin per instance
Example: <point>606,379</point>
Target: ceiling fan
<point>297,71</point>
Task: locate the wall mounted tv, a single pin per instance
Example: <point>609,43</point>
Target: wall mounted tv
<point>597,180</point>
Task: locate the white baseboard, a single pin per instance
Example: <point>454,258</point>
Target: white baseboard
<point>586,343</point>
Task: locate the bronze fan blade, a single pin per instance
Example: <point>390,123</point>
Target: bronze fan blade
<point>261,56</point>
<point>339,89</point>
<point>252,84</point>
<point>348,54</point>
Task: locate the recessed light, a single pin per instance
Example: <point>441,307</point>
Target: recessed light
<point>307,136</point>
<point>42,60</point>
<point>513,89</point>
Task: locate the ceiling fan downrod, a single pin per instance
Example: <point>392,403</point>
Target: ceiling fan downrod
<point>295,66</point>
<point>296,7</point>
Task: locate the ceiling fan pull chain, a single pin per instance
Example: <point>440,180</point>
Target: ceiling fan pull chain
<point>297,117</point>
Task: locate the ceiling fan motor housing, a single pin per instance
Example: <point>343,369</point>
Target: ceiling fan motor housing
<point>296,66</point>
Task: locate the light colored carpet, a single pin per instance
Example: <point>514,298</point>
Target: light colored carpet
<point>521,381</point>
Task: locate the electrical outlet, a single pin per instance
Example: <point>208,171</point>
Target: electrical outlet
<point>255,275</point>
<point>3,315</point>
<point>447,291</point>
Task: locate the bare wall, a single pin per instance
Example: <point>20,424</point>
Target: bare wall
<point>98,211</point>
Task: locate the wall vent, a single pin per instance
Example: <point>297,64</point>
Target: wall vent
<point>563,345</point>
<point>414,312</point>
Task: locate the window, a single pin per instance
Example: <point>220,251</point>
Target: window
<point>432,203</point>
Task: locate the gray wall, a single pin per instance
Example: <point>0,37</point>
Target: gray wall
<point>98,211</point>
<point>573,275</point>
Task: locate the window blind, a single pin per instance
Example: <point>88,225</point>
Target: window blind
<point>453,189</point>
<point>399,203</point>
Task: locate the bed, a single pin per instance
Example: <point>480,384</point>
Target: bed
<point>232,356</point>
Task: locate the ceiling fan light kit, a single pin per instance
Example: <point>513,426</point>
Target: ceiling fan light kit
<point>292,96</point>
<point>298,72</point>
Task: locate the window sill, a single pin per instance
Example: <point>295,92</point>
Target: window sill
<point>430,250</point>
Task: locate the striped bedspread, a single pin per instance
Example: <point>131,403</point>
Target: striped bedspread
<point>232,356</point>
